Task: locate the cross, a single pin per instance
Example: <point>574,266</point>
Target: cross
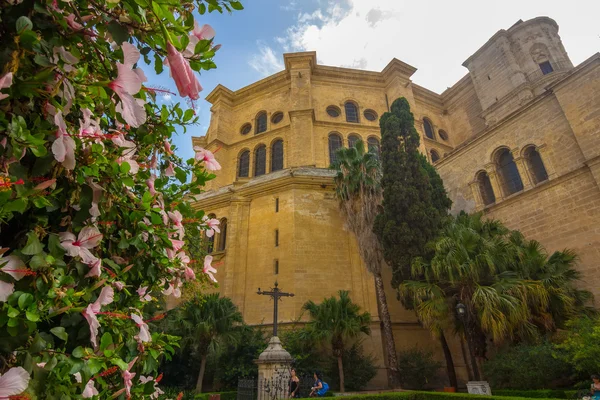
<point>276,294</point>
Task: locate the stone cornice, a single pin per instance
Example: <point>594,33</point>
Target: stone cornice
<point>397,67</point>
<point>426,96</point>
<point>451,95</point>
<point>305,57</point>
<point>347,125</point>
<point>302,177</point>
<point>221,93</point>
<point>310,112</point>
<point>592,62</point>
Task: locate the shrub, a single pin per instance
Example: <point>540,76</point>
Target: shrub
<point>427,396</point>
<point>359,369</point>
<point>580,346</point>
<point>417,368</point>
<point>535,394</point>
<point>528,366</point>
<point>224,395</point>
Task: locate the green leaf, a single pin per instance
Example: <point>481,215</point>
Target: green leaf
<point>118,32</point>
<point>236,5</point>
<point>146,198</point>
<point>13,322</point>
<point>60,333</point>
<point>24,24</point>
<point>33,245</point>
<point>25,300</point>
<point>37,345</point>
<point>128,181</point>
<point>12,312</point>
<point>105,341</point>
<point>181,175</point>
<point>123,244</point>
<point>32,316</point>
<point>164,113</point>
<point>158,64</point>
<point>120,363</point>
<point>54,246</point>
<point>17,205</point>
<point>189,114</point>
<point>202,9</point>
<point>39,150</point>
<point>125,167</point>
<point>29,39</point>
<point>78,352</point>
<point>95,365</point>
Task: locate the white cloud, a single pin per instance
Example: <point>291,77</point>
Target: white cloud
<point>433,36</point>
<point>266,62</point>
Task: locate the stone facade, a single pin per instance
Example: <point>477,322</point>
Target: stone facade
<point>518,137</point>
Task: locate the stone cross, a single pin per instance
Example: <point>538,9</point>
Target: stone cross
<point>276,294</point>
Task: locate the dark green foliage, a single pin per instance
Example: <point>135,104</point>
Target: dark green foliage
<point>307,355</point>
<point>580,345</point>
<point>236,361</point>
<point>223,395</point>
<point>536,394</point>
<point>528,367</point>
<point>409,218</point>
<point>418,369</point>
<point>359,369</point>
<point>428,396</point>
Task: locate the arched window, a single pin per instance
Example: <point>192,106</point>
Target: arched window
<point>351,112</point>
<point>277,156</point>
<point>261,122</point>
<point>373,145</point>
<point>244,164</point>
<point>210,241</point>
<point>509,174</point>
<point>443,135</point>
<point>223,235</point>
<point>485,188</point>
<point>535,165</point>
<point>352,139</point>
<point>434,156</point>
<point>428,128</point>
<point>335,143</point>
<point>260,160</point>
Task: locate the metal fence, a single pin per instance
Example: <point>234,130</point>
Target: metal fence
<point>274,388</point>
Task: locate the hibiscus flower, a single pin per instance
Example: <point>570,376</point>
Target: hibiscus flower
<point>208,157</point>
<point>15,267</point>
<point>5,82</point>
<point>128,83</point>
<point>13,382</point>
<point>88,238</point>
<point>89,391</point>
<point>106,297</point>
<point>209,269</point>
<point>144,334</point>
<point>63,147</point>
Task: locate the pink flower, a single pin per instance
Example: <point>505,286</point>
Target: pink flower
<point>13,382</point>
<point>77,376</point>
<point>96,197</point>
<point>88,126</point>
<point>127,379</point>
<point>150,184</point>
<point>106,297</point>
<point>208,157</point>
<point>89,391</point>
<point>170,171</point>
<point>189,274</point>
<point>183,257</point>
<point>144,297</point>
<point>173,289</point>
<point>213,226</point>
<point>63,147</point>
<point>129,82</point>
<point>95,269</point>
<point>13,266</point>
<point>176,217</point>
<point>41,365</point>
<point>5,82</point>
<point>208,268</point>
<point>181,72</point>
<point>6,289</point>
<point>206,32</point>
<point>168,150</point>
<point>144,334</point>
<point>88,238</point>
<point>119,285</point>
<point>45,184</point>
<point>76,26</point>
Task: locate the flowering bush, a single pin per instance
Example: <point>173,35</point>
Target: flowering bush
<point>92,198</point>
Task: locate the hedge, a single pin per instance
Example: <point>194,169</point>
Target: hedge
<point>537,394</point>
<point>428,396</point>
<point>224,395</point>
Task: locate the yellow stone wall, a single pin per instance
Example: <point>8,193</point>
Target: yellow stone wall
<point>316,255</point>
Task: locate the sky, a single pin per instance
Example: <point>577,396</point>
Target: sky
<point>436,37</point>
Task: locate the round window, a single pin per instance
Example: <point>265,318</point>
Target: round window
<point>246,128</point>
<point>443,134</point>
<point>370,115</point>
<point>277,117</point>
<point>333,111</point>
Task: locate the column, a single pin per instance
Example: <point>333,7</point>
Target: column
<point>474,185</point>
<point>542,149</point>
<point>491,171</point>
<point>522,168</point>
<point>237,249</point>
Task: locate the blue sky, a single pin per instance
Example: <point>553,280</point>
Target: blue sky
<point>433,36</point>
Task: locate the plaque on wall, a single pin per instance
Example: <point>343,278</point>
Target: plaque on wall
<point>479,387</point>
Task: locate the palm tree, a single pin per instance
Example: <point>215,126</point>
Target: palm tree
<point>207,323</point>
<point>336,321</point>
<point>472,265</point>
<point>358,189</point>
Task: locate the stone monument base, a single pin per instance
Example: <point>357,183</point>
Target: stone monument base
<point>273,371</point>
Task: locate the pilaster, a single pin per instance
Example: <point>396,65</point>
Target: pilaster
<point>474,185</point>
<point>522,168</point>
<point>237,251</point>
<point>547,161</point>
<point>491,171</point>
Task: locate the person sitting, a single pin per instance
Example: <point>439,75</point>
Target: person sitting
<point>320,387</point>
<point>595,388</point>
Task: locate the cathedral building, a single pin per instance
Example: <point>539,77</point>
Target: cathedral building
<point>518,137</point>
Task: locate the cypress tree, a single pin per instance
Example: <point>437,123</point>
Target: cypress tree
<point>415,203</point>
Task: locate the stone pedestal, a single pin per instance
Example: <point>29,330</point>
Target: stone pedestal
<point>273,371</point>
<point>479,387</point>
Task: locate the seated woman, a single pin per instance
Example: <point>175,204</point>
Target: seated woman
<point>314,391</point>
<point>595,389</point>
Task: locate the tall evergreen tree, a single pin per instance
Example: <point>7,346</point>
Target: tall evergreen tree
<point>415,203</point>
